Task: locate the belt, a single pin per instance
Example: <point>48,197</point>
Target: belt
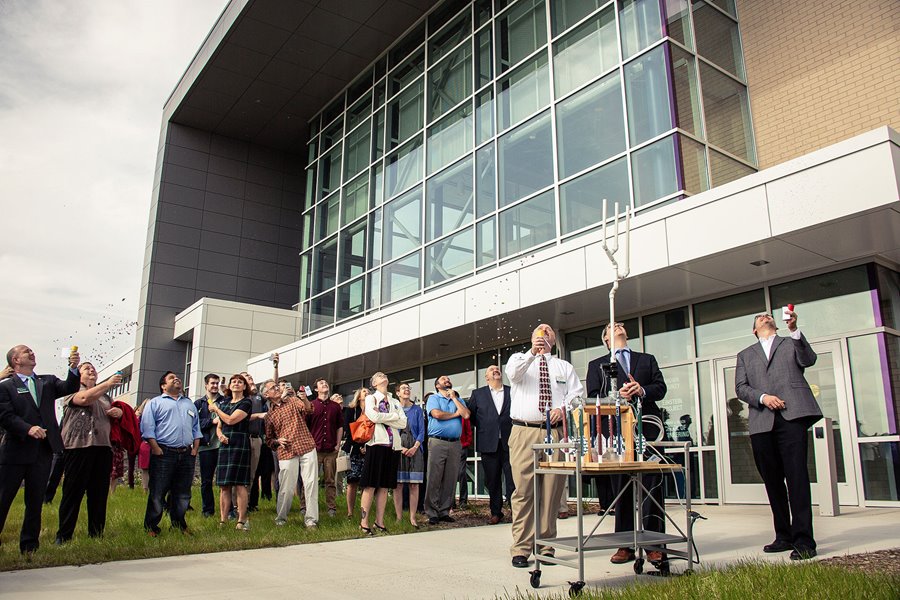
<point>530,424</point>
<point>180,450</point>
<point>443,439</point>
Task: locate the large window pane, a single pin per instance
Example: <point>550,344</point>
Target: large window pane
<point>357,146</point>
<point>727,110</point>
<point>485,181</point>
<point>325,267</point>
<point>450,35</point>
<point>407,72</point>
<point>305,275</point>
<point>528,224</point>
<point>378,135</point>
<point>332,133</point>
<point>585,52</point>
<point>718,39</point>
<point>353,251</point>
<point>450,138</point>
<point>485,242</point>
<point>565,13</point>
<point>449,200</point>
<point>687,92</point>
<point>484,116</point>
<point>375,238</point>
<point>667,335</point>
<point>404,167</point>
<point>351,299</point>
<point>876,411</point>
<point>654,171</point>
<point>361,110</point>
<point>461,372</point>
<point>484,62</point>
<point>647,96</point>
<point>710,475</point>
<point>450,257</point>
<point>829,304</point>
<point>403,224</point>
<point>724,169</point>
<point>406,114</point>
<point>330,171</point>
<point>321,311</point>
<point>692,157</point>
<point>725,325</point>
<point>678,22</point>
<point>881,470</point>
<point>327,214</point>
<point>582,199</point>
<point>523,92</point>
<point>889,296</point>
<point>590,126</point>
<point>356,199</point>
<point>705,391</point>
<point>641,24</point>
<point>401,278</point>
<point>525,159</point>
<point>310,197</point>
<point>306,239</point>
<point>450,82</point>
<point>520,31</point>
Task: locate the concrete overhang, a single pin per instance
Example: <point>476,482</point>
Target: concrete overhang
<point>268,66</point>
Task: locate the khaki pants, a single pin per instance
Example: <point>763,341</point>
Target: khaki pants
<point>328,460</point>
<point>521,459</point>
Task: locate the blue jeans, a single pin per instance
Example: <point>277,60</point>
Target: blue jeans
<point>170,473</point>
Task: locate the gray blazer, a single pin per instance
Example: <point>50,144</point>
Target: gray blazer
<point>782,376</point>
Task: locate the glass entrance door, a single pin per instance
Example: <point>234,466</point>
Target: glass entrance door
<point>740,480</point>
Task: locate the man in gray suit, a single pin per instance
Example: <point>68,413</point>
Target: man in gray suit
<point>769,378</point>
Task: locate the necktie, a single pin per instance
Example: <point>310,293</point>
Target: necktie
<point>622,356</point>
<point>30,383</point>
<point>544,398</point>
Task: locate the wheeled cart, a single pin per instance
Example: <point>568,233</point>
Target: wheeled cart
<point>642,541</point>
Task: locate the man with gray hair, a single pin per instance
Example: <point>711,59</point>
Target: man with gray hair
<point>287,434</point>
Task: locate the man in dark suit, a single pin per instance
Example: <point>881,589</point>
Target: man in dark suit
<point>638,376</point>
<point>28,414</point>
<point>489,407</point>
<point>769,378</point>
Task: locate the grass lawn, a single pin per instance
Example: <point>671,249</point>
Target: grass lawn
<point>125,538</point>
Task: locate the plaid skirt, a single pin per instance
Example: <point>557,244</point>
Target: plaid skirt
<point>234,460</point>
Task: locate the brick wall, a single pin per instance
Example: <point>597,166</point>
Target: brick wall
<point>819,71</point>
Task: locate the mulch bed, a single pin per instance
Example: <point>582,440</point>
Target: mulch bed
<point>882,561</point>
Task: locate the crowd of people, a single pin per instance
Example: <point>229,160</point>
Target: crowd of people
<point>250,438</point>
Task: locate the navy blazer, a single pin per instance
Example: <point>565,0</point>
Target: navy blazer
<point>645,371</point>
<point>490,427</point>
<point>19,413</point>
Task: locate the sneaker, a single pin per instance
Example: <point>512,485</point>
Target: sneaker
<point>332,512</point>
<point>312,526</point>
<point>280,522</point>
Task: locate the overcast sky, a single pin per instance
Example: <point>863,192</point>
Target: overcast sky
<point>82,87</point>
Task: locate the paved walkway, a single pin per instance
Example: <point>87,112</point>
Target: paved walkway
<point>458,563</point>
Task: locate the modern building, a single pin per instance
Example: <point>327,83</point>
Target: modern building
<point>411,186</point>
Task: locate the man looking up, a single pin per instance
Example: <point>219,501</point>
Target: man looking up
<point>445,412</point>
<point>28,414</point>
<point>326,424</point>
<point>209,444</point>
<point>490,417</point>
<point>257,427</point>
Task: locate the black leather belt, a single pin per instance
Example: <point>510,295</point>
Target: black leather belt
<point>181,450</point>
<point>530,424</point>
<point>443,439</point>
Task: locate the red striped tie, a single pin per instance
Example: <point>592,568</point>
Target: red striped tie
<point>544,397</point>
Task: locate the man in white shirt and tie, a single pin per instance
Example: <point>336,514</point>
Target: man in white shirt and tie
<point>539,382</point>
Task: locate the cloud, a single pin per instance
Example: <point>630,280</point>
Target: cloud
<point>82,87</point>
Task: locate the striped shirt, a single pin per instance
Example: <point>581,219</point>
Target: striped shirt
<point>285,420</point>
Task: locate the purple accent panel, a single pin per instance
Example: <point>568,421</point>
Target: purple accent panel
<point>876,307</point>
<point>886,380</point>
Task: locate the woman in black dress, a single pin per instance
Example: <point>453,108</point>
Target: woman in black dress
<point>233,430</point>
<point>356,451</point>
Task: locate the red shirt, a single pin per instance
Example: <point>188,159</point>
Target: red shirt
<point>465,438</point>
<point>324,421</point>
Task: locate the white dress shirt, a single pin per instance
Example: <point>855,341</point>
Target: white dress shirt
<point>497,395</point>
<point>766,344</point>
<point>524,372</point>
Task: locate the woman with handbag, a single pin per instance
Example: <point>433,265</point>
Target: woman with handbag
<point>379,472</point>
<point>412,456</point>
<point>355,450</point>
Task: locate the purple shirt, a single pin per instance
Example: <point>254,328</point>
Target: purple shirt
<point>324,422</point>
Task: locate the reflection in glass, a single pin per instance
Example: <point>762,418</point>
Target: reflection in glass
<point>678,22</point>
<point>727,110</point>
<point>889,295</point>
<point>519,32</point>
<point>647,96</point>
<point>527,224</point>
<point>375,239</point>
<point>880,470</point>
<point>523,92</point>
<point>357,113</point>
<point>667,335</point>
<point>654,171</point>
<point>872,395</point>
<point>325,267</point>
<point>327,213</point>
<point>450,82</point>
<point>821,381</point>
<point>404,167</point>
<point>687,92</point>
<point>586,52</point>
<point>407,72</point>
<point>351,299</point>
<point>484,116</point>
<point>373,294</point>
<point>357,146</point>
<point>321,311</point>
<point>330,171</point>
<point>678,410</point>
<point>485,180</point>
<point>525,159</point>
<point>450,257</point>
<point>449,199</point>
<point>718,39</point>
<point>710,475</point>
<point>581,200</point>
<point>306,238</point>
<point>484,71</point>
<point>485,242</point>
<point>693,162</point>
<point>707,414</point>
<point>401,278</point>
<point>740,453</point>
<point>451,35</point>
<point>377,184</point>
<point>589,126</point>
<point>725,325</point>
<point>353,251</point>
<point>378,135</point>
<point>356,199</point>
<point>450,138</point>
<point>305,275</point>
<point>332,133</point>
<point>406,114</point>
<point>565,13</point>
<point>641,24</point>
<point>461,372</point>
<point>310,197</point>
<point>403,224</point>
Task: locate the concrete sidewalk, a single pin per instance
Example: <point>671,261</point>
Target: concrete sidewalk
<point>457,563</point>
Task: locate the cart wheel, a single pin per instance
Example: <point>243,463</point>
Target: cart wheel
<point>535,579</point>
<point>575,588</point>
<point>663,567</point>
<point>638,566</point>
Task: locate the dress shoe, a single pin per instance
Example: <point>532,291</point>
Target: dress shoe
<point>551,555</point>
<point>622,556</point>
<point>433,520</point>
<point>655,556</point>
<point>59,541</point>
<point>495,519</point>
<point>446,519</point>
<point>803,553</point>
<point>520,562</point>
<point>778,546</point>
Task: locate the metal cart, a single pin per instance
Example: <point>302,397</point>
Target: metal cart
<point>642,541</point>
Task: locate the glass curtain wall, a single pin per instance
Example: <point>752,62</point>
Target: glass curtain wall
<point>494,129</point>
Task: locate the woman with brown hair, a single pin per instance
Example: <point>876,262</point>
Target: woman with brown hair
<point>233,431</point>
<point>356,451</point>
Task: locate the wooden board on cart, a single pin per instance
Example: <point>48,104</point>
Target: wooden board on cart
<point>613,467</point>
<point>609,410</point>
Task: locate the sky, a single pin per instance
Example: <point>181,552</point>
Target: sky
<point>82,88</point>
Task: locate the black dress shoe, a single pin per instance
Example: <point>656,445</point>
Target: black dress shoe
<point>433,520</point>
<point>778,546</point>
<point>803,553</point>
<point>447,519</point>
<point>520,562</point>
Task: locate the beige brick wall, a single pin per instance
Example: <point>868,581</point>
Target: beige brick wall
<point>819,71</point>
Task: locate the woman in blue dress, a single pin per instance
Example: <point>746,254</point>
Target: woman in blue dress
<point>411,471</point>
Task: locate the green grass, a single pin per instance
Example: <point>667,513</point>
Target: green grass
<point>751,580</point>
<point>125,539</point>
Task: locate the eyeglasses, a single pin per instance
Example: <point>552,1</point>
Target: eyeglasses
<point>762,315</point>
